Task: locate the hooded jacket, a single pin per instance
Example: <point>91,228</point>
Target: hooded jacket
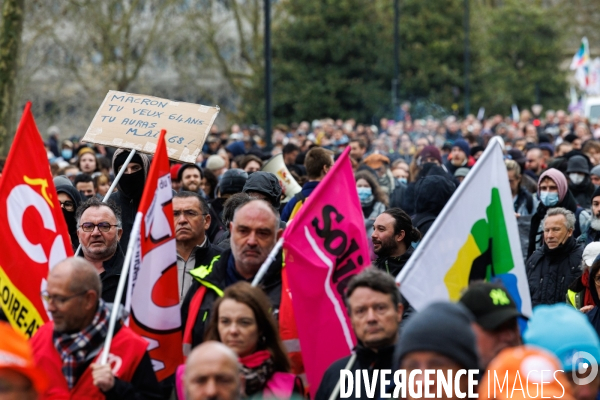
<point>583,192</point>
<point>127,203</point>
<point>550,272</point>
<point>70,216</point>
<point>265,183</point>
<point>408,201</point>
<point>431,195</point>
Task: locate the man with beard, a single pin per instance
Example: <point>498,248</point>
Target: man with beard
<point>392,237</point>
<point>130,187</point>
<point>592,234</point>
<point>459,157</point>
<point>190,176</point>
<point>99,229</point>
<point>254,232</point>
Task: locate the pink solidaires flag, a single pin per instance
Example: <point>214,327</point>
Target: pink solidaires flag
<point>326,245</point>
<point>153,292</point>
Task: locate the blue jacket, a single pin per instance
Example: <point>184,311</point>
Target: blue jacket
<point>307,189</point>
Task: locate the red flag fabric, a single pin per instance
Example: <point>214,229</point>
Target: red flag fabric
<point>326,245</point>
<point>153,293</point>
<point>34,233</point>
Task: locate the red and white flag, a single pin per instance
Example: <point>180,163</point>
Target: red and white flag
<point>153,297</point>
<point>34,233</point>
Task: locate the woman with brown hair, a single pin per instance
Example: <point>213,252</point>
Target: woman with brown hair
<point>242,321</point>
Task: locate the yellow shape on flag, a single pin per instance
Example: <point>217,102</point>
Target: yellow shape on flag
<point>457,277</point>
<point>19,310</point>
<point>44,187</point>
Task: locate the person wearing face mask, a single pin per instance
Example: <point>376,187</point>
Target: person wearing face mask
<point>553,191</point>
<point>552,268</point>
<point>69,199</point>
<point>580,183</point>
<point>130,188</point>
<point>372,198</point>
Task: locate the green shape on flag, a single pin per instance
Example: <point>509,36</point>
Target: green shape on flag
<point>487,250</point>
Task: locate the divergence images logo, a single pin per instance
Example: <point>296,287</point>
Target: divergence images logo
<point>584,364</point>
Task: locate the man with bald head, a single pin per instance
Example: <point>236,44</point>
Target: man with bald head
<point>254,232</point>
<point>68,347</point>
<point>212,371</point>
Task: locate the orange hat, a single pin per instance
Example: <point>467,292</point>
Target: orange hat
<point>524,365</point>
<point>376,161</point>
<point>84,150</point>
<point>16,355</point>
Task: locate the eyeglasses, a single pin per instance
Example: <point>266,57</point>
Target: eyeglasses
<point>59,300</point>
<point>67,205</point>
<point>102,226</point>
<point>186,213</point>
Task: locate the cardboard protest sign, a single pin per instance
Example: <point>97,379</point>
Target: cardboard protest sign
<point>134,121</point>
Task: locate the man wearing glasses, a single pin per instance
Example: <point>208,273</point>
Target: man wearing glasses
<point>99,230</point>
<point>192,219</point>
<point>67,348</point>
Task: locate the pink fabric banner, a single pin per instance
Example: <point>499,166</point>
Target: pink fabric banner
<point>326,245</point>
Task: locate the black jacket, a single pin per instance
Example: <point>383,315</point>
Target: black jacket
<point>536,219</point>
<point>365,359</point>
<point>550,272</point>
<point>111,276</point>
<point>583,192</point>
<point>431,195</point>
<point>393,265</point>
<point>214,279</point>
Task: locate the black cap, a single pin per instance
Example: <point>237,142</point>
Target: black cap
<point>233,181</point>
<point>491,305</point>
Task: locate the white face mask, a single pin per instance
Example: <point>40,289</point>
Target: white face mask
<point>576,178</point>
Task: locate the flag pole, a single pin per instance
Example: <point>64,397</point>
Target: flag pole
<point>336,390</point>
<point>265,266</point>
<point>496,140</point>
<point>113,186</point>
<point>124,273</point>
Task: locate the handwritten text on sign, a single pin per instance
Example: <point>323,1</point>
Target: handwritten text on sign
<point>134,121</point>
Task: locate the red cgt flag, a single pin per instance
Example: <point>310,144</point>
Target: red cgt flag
<point>153,273</point>
<point>34,234</point>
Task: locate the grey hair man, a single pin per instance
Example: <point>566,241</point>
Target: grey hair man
<point>555,265</point>
<point>212,371</point>
<point>99,229</point>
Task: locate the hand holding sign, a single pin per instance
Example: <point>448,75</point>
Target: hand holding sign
<point>134,121</point>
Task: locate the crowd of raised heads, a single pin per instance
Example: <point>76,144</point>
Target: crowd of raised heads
<point>230,210</point>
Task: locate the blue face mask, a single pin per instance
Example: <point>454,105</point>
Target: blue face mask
<point>549,199</point>
<point>364,193</point>
<point>66,154</point>
<point>401,181</point>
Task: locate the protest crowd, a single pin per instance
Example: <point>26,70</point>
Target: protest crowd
<point>230,209</point>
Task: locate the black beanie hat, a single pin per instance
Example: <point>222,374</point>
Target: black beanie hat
<point>120,160</point>
<point>444,328</point>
